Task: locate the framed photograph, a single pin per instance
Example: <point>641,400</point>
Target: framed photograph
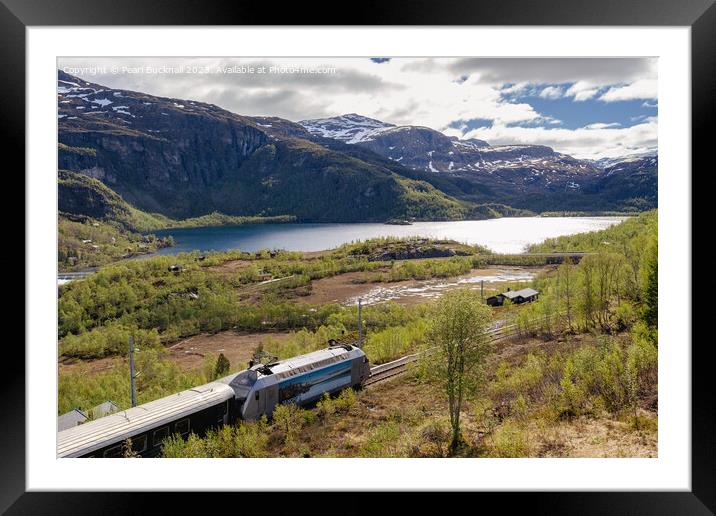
<point>267,252</point>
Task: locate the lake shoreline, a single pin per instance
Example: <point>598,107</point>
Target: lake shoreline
<point>303,236</point>
<point>508,235</point>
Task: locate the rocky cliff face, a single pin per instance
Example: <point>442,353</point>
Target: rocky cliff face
<point>156,153</point>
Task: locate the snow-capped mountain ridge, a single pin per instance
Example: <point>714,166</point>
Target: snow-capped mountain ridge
<point>627,158</point>
<point>423,148</point>
<point>509,172</point>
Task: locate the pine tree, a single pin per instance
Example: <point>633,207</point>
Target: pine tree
<point>222,366</point>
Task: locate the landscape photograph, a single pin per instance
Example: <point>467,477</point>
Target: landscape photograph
<point>357,257</point>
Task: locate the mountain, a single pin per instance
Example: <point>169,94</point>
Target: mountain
<point>426,149</point>
<point>629,158</point>
<point>81,195</point>
<point>630,182</point>
<point>532,177</point>
<point>181,158</point>
<point>412,146</point>
<point>350,128</point>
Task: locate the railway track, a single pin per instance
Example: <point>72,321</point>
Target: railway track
<point>382,372</point>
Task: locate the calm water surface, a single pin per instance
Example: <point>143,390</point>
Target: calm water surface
<point>506,235</point>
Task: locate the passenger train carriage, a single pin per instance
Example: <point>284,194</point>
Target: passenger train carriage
<point>246,395</point>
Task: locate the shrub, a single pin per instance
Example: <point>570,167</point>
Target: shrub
<point>518,407</point>
<point>642,364</point>
<point>345,400</point>
<point>128,451</point>
<point>175,446</point>
<point>383,441</point>
<point>251,439</point>
<point>613,381</point>
<point>521,380</point>
<point>607,376</point>
<point>509,440</point>
<point>573,395</point>
<point>289,419</point>
<point>325,407</point>
<point>248,439</point>
<point>624,315</point>
<point>112,339</point>
<point>394,342</point>
<point>437,434</point>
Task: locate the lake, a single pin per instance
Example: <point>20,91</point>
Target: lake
<point>505,235</point>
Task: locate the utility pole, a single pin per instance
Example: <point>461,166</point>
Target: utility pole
<point>482,290</point>
<point>131,370</point>
<point>360,323</point>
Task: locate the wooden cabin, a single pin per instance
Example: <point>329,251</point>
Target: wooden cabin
<point>525,295</point>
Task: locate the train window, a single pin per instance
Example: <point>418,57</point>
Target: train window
<point>139,443</point>
<point>159,435</point>
<point>114,451</point>
<point>182,427</point>
<point>257,395</point>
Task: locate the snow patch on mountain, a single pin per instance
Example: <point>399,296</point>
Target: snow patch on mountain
<point>351,128</point>
<point>102,102</point>
<point>627,158</point>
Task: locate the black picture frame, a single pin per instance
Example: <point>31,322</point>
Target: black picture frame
<point>700,15</point>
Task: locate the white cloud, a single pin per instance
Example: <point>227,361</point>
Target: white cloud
<point>640,89</point>
<point>551,92</point>
<point>600,125</point>
<point>597,141</point>
<point>582,90</point>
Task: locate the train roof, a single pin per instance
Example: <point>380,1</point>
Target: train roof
<point>96,434</point>
<point>309,361</point>
<point>335,354</point>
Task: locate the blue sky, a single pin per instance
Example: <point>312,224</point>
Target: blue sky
<point>585,107</point>
<point>575,114</point>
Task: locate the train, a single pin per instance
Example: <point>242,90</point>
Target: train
<point>247,395</point>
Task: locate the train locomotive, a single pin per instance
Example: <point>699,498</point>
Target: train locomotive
<point>246,395</point>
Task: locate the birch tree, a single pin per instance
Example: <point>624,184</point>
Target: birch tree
<point>458,330</point>
<point>566,287</point>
